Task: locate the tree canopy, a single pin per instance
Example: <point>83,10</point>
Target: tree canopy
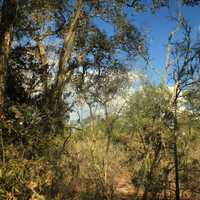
<point>132,138</point>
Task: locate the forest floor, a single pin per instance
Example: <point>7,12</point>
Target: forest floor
<point>125,189</point>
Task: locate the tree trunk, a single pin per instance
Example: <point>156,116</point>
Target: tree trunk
<point>43,60</point>
<point>175,152</point>
<point>176,162</point>
<point>108,132</point>
<point>9,10</point>
<point>64,74</point>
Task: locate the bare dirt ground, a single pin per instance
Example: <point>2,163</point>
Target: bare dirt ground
<point>124,189</point>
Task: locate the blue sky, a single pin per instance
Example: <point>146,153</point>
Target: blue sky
<point>157,28</point>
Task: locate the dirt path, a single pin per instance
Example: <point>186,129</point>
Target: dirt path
<point>124,189</point>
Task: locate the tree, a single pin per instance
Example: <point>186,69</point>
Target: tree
<point>184,62</point>
<point>8,17</point>
<point>148,140</point>
<point>52,49</point>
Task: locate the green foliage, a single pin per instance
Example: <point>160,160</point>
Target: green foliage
<point>43,155</point>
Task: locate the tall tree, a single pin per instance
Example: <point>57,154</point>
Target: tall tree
<point>8,17</point>
<point>183,60</point>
